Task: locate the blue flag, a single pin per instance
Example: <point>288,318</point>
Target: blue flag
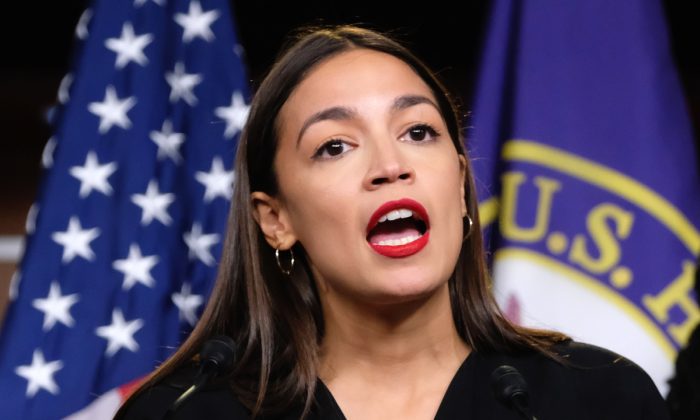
<point>587,175</point>
<point>124,239</point>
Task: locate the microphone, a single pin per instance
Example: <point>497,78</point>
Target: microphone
<point>215,358</point>
<point>510,389</point>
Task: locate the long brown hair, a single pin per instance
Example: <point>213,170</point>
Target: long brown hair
<point>276,321</point>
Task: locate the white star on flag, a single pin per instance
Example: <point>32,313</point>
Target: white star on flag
<point>81,30</point>
<point>76,241</point>
<point>181,84</point>
<point>168,142</point>
<point>238,50</point>
<point>153,204</point>
<point>14,284</point>
<point>235,114</point>
<point>40,374</point>
<point>200,244</point>
<point>136,268</point>
<point>120,333</point>
<point>197,24</point>
<point>187,303</point>
<point>112,111</point>
<point>129,47</point>
<point>64,88</point>
<point>30,223</point>
<point>47,153</point>
<point>218,181</point>
<point>93,176</point>
<point>56,307</point>
<point>139,3</point>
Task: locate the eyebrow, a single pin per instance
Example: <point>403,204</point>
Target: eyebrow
<point>341,113</point>
<point>407,101</point>
<point>336,113</point>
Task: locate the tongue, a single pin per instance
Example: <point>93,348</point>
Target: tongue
<point>393,230</point>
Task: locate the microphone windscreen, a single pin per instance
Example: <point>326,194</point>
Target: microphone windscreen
<point>221,350</point>
<point>507,383</point>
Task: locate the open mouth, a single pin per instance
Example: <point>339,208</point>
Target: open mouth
<point>399,228</point>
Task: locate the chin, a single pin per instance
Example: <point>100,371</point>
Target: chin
<point>407,289</point>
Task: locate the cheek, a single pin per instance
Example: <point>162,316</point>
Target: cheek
<point>329,240</point>
<point>448,188</point>
<point>321,200</point>
<point>320,217</point>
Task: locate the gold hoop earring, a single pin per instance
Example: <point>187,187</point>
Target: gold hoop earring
<point>469,231</point>
<point>285,271</point>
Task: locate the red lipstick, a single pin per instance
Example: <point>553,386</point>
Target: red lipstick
<point>387,237</point>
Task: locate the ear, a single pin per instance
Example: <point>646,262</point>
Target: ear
<point>273,220</point>
<point>463,179</point>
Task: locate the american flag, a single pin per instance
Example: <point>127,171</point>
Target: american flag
<point>124,239</point>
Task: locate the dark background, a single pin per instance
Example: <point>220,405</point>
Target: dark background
<point>37,39</point>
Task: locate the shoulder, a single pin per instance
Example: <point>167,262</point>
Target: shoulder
<point>593,363</point>
<point>593,381</point>
<point>610,382</point>
<point>213,402</point>
<point>588,356</point>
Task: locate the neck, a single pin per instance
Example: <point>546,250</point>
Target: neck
<point>389,338</point>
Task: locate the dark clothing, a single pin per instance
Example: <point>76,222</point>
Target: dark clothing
<point>683,398</point>
<point>592,383</point>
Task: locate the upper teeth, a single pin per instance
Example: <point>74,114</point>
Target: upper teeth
<point>396,214</point>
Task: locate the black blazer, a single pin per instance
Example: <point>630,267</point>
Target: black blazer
<point>593,383</point>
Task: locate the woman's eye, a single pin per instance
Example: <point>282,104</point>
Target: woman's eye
<point>331,149</point>
<point>421,133</point>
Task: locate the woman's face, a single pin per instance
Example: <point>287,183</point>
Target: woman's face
<point>370,182</point>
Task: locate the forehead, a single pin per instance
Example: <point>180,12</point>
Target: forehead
<point>354,78</point>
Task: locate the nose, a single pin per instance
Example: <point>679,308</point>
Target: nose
<point>388,166</point>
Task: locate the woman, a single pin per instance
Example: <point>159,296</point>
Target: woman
<point>353,280</point>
